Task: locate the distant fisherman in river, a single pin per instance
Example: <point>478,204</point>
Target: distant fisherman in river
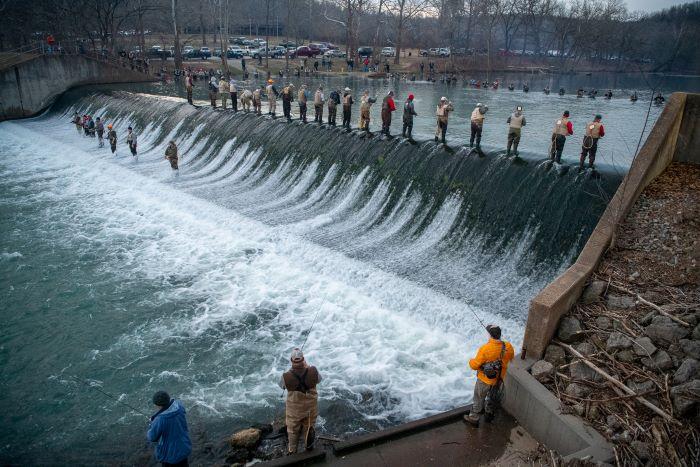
<point>442,113</point>
<point>91,127</point>
<point>319,99</point>
<point>76,121</point>
<point>171,155</point>
<point>112,136</point>
<point>477,124</point>
<point>490,363</point>
<point>168,428</point>
<point>365,106</point>
<point>409,112</point>
<point>562,128</point>
<point>634,97</point>
<point>302,98</point>
<point>131,141</point>
<point>347,107</point>
<point>388,106</point>
<point>516,122</point>
<point>302,401</point>
<point>594,131</point>
<point>100,128</point>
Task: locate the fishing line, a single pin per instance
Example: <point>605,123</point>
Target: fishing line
<point>96,388</point>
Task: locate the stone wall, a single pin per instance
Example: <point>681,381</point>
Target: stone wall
<point>29,87</point>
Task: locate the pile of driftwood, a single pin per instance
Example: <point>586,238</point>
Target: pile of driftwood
<point>632,396</point>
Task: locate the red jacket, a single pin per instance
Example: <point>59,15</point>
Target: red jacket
<point>390,104</point>
<point>570,127</point>
<point>602,131</point>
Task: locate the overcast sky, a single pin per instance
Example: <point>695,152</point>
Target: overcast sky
<point>652,5</point>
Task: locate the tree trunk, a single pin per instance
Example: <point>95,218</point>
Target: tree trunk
<point>399,38</point>
<point>178,54</point>
<point>201,23</point>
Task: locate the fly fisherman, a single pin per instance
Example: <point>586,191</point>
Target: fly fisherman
<point>594,131</point>
<point>490,363</point>
<point>131,141</point>
<point>223,91</point>
<point>516,122</point>
<point>333,101</point>
<point>477,121</point>
<point>443,115</point>
<point>287,98</point>
<point>365,106</point>
<point>302,401</point>
<point>112,136</point>
<point>409,112</point>
<point>234,94</point>
<point>302,98</point>
<point>246,100</point>
<point>347,107</point>
<point>76,121</point>
<point>562,128</point>
<point>189,85</point>
<point>100,128</point>
<point>388,106</point>
<point>213,91</point>
<point>319,99</point>
<point>91,127</point>
<point>171,155</point>
<point>257,100</point>
<point>168,428</point>
<point>272,94</point>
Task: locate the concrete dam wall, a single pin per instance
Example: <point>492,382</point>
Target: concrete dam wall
<point>31,86</point>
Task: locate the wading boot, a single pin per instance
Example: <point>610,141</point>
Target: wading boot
<point>472,420</point>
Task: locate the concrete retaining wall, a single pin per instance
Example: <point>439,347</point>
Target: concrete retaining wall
<point>658,151</point>
<point>29,87</point>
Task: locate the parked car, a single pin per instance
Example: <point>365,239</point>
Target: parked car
<point>204,52</point>
<point>304,51</point>
<point>423,52</point>
<point>329,45</point>
<point>234,52</point>
<point>365,51</point>
<point>236,40</point>
<point>317,48</point>
<point>334,53</point>
<point>217,52</point>
<point>264,52</point>
<point>388,52</point>
<point>278,50</point>
<point>288,44</point>
<point>444,52</point>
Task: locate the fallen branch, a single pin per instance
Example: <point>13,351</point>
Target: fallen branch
<point>657,308</point>
<point>620,385</point>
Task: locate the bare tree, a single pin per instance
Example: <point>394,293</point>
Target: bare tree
<point>353,10</point>
<point>403,11</point>
<point>176,31</point>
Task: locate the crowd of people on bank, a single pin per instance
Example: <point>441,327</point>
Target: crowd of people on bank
<point>222,90</point>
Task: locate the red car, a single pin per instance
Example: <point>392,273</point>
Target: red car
<point>304,51</point>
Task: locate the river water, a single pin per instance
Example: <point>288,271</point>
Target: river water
<point>117,273</point>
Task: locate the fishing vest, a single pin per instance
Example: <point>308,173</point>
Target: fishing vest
<point>270,91</point>
<point>318,98</point>
<point>303,381</point>
<point>232,88</point>
<point>477,116</point>
<point>593,129</point>
<point>256,95</point>
<point>347,100</point>
<point>301,97</point>
<point>365,104</point>
<point>561,127</point>
<point>516,121</point>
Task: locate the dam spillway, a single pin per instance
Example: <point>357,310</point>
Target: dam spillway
<point>118,272</point>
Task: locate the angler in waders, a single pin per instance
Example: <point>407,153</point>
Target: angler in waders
<point>477,124</point>
<point>516,122</point>
<point>409,111</point>
<point>594,131</point>
<point>490,363</point>
<point>171,155</point>
<point>131,141</point>
<point>442,113</point>
<point>302,401</point>
<point>77,122</point>
<point>112,137</point>
<point>562,128</point>
<point>168,428</point>
<point>100,128</point>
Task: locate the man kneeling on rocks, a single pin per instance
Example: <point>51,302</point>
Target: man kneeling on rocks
<point>491,362</point>
<point>302,401</point>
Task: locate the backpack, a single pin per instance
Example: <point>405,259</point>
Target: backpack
<point>493,369</point>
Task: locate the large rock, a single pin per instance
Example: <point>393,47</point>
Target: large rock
<point>665,330</point>
<point>641,387</point>
<point>542,371</point>
<point>661,361</point>
<point>593,292</point>
<point>570,330</point>
<point>585,348</point>
<point>644,347</point>
<point>626,356</point>
<point>690,348</point>
<point>617,341</point>
<point>620,301</point>
<point>579,370</point>
<point>685,397</point>
<point>696,333</point>
<point>577,390</point>
<point>246,439</point>
<point>689,369</point>
<point>603,322</point>
<point>555,355</point>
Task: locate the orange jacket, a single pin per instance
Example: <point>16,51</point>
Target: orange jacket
<point>490,352</point>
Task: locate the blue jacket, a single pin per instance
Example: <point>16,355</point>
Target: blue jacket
<point>169,429</point>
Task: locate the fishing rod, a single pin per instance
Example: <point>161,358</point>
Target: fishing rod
<point>96,388</point>
<point>312,325</point>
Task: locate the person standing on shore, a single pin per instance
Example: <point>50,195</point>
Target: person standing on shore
<point>477,124</point>
<point>302,401</point>
<point>112,136</point>
<point>442,113</point>
<point>168,428</point>
<point>302,98</point>
<point>562,128</point>
<point>347,107</point>
<point>516,122</point>
<point>388,106</point>
<point>594,131</point>
<point>490,363</point>
<point>171,155</point>
<point>319,99</point>
<point>365,106</point>
<point>100,128</point>
<point>131,141</point>
<point>409,112</point>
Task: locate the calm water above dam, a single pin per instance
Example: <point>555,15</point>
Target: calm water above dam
<point>117,272</point>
